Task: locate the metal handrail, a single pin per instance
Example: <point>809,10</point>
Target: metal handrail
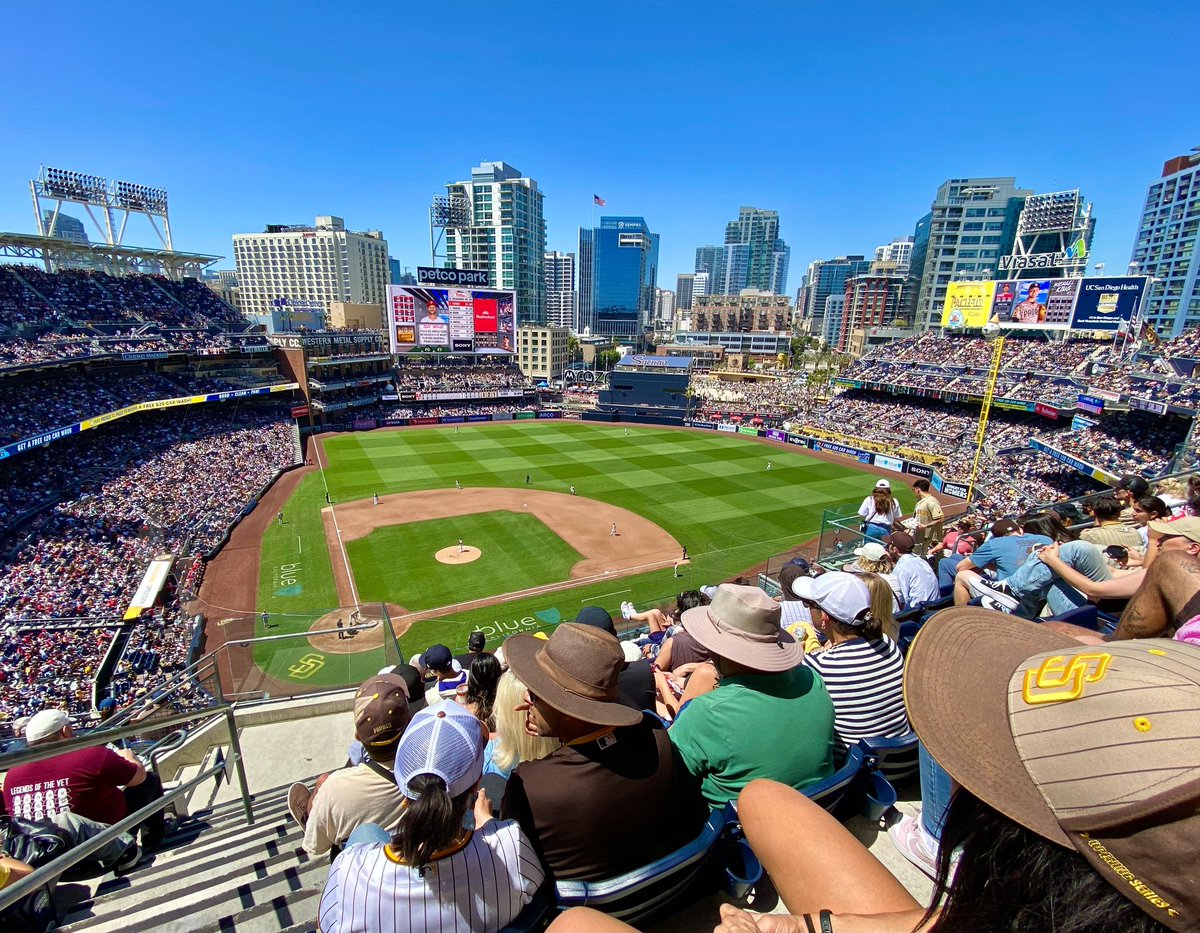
<point>48,873</point>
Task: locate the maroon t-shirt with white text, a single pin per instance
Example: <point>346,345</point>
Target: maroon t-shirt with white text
<point>86,782</point>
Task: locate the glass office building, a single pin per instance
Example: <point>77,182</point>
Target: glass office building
<point>618,272</point>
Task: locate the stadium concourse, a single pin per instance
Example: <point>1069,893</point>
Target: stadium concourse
<point>102,481</point>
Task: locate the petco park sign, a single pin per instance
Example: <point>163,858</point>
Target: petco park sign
<point>430,275</point>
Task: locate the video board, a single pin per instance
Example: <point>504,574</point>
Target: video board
<point>1094,304</point>
<point>451,320</point>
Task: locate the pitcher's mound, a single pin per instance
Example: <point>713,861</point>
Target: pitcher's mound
<point>452,555</point>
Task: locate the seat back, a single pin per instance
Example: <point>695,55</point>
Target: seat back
<point>894,758</point>
<point>830,791</point>
<point>647,890</point>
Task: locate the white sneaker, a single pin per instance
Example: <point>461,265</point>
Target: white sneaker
<point>627,610</point>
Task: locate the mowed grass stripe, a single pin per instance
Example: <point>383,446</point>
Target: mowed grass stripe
<point>397,564</point>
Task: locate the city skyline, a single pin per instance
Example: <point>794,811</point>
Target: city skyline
<point>254,154</point>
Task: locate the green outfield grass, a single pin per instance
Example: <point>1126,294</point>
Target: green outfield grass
<point>397,564</point>
<point>711,491</point>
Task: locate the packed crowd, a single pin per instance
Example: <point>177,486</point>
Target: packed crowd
<point>49,667</point>
<point>388,412</point>
<point>70,345</point>
<point>158,649</point>
<point>448,378</point>
<point>29,295</point>
<point>776,400</point>
<point>66,397</point>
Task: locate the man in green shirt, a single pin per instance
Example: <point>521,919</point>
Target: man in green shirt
<point>769,717</point>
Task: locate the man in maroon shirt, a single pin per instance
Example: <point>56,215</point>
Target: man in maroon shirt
<point>95,783</point>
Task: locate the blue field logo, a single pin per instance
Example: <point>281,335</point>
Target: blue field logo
<point>294,590</point>
<point>550,616</point>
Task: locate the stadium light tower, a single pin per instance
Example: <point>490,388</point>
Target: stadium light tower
<point>119,198</point>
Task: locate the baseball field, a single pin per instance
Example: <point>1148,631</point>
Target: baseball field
<point>532,551</point>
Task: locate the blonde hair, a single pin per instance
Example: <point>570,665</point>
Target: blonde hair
<point>513,743</point>
<point>867,566</point>
<point>882,602</point>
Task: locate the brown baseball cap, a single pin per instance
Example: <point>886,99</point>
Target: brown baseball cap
<point>902,541</point>
<point>380,710</point>
<point>1093,747</point>
<point>1188,527</point>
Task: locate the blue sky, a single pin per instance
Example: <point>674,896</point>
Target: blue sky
<point>843,117</point>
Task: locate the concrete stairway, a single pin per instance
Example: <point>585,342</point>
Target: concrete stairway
<point>212,874</point>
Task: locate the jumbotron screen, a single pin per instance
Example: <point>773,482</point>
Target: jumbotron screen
<point>423,319</point>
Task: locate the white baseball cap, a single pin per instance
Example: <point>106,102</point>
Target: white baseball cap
<point>882,484</point>
<point>841,595</point>
<point>45,724</point>
<point>872,550</point>
<point>444,740</point>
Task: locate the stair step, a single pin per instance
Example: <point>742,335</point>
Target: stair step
<point>294,912</point>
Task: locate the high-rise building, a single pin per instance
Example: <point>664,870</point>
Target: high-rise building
<point>828,277</point>
<point>828,324</point>
<point>684,285</point>
<point>664,305</point>
<point>762,263</point>
<point>502,230</point>
<point>872,299</point>
<point>751,311</point>
<point>898,253</point>
<point>711,260</point>
<point>543,350</point>
<point>700,285</point>
<point>973,223</point>
<point>65,227</point>
<point>560,290</point>
<point>1166,247</point>
<point>753,256</point>
<point>313,266</point>
<point>618,269</point>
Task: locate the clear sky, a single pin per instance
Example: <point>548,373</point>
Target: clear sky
<point>843,117</point>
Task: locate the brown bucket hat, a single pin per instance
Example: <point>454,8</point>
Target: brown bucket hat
<point>1093,747</point>
<point>742,624</point>
<point>575,670</point>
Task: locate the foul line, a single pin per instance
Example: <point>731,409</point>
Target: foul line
<point>337,530</point>
<point>606,595</point>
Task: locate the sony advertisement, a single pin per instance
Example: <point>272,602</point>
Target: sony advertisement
<point>451,320</point>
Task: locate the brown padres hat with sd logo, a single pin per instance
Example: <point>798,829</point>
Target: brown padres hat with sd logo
<point>1094,747</point>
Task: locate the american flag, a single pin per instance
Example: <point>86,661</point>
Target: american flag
<point>596,199</point>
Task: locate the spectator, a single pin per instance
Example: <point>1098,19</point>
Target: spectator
<point>915,582</point>
<point>636,681</point>
<point>1005,551</point>
<point>861,667</point>
<point>883,603</point>
<point>1128,490</point>
<point>476,642</point>
<point>96,783</point>
<point>365,793</point>
<point>879,512</point>
<point>1035,585</point>
<point>449,676</point>
<point>483,678</point>
<point>512,744</point>
<point>748,726</point>
<point>929,517</point>
<point>1109,529</point>
<point>610,753</point>
<point>431,873</point>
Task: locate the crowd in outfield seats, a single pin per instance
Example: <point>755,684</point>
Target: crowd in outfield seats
<point>415,378</point>
<point>65,398</point>
<point>70,345</point>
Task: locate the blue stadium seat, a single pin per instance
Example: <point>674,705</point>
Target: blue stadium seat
<point>908,631</point>
<point>830,791</point>
<point>894,758</point>
<point>644,891</point>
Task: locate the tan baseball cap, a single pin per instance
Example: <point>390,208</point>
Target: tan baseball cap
<point>1093,747</point>
<point>1188,527</point>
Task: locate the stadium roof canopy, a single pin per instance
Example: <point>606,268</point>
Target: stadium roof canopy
<point>55,253</point>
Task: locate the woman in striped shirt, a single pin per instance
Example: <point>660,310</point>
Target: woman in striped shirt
<point>862,668</point>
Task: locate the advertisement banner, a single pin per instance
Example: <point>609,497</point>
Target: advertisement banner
<point>839,449</point>
<point>889,463</point>
<point>706,425</point>
<point>422,421</point>
<point>454,419</point>
<point>1091,403</point>
<point>727,428</point>
<point>521,415</point>
<point>1080,423</point>
<point>777,435</point>
<point>918,470</point>
<point>957,490</point>
<point>1080,466</point>
<point>479,417</point>
<point>1013,404</point>
<point>1108,304</point>
<point>364,424</point>
<point>936,481</point>
<point>502,416</point>
<point>968,304</point>
<point>395,422</point>
<point>299,411</point>
<point>753,432</point>
<point>1046,411</point>
<point>797,440</point>
<point>1145,404</point>
<point>549,414</point>
<point>156,355</point>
